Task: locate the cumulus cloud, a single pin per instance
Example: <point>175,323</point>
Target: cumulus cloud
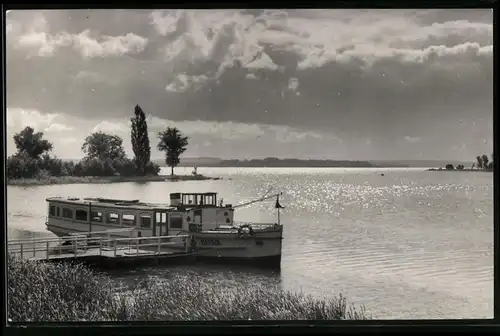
<point>20,118</point>
<point>376,74</point>
<point>40,42</point>
<point>109,127</point>
<point>412,139</point>
<point>53,128</point>
<point>183,82</point>
<point>108,45</point>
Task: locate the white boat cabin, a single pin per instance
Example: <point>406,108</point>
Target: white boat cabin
<point>68,215</point>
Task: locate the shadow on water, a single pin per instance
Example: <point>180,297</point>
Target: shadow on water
<point>219,275</point>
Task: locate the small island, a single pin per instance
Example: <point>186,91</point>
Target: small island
<point>105,160</point>
<point>482,164</point>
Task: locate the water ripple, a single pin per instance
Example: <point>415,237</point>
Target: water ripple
<point>410,244</point>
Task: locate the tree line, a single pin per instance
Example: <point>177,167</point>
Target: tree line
<point>482,162</point>
<point>104,153</point>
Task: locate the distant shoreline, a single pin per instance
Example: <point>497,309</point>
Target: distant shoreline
<point>272,162</point>
<point>110,179</point>
<point>460,170</point>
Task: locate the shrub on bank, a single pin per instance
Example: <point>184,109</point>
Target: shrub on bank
<point>70,292</point>
<point>108,167</point>
<point>22,166</point>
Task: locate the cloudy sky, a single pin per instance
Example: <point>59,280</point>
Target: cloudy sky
<point>339,84</point>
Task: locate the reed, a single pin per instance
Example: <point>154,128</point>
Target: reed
<point>71,292</point>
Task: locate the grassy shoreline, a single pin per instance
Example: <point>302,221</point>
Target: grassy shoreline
<point>100,180</point>
<point>71,292</point>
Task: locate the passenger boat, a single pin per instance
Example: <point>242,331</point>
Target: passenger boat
<point>210,225</point>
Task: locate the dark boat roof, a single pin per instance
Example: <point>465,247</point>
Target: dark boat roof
<point>111,203</point>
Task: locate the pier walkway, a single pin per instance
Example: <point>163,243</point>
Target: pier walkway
<point>96,248</point>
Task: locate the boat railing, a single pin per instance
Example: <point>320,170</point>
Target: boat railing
<point>259,226</point>
<point>270,227</point>
<point>82,244</point>
<point>107,233</point>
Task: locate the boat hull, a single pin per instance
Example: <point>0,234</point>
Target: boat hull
<point>255,250</point>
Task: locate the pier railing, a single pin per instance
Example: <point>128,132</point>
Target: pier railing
<point>81,243</point>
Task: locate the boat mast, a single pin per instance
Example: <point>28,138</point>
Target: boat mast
<point>279,216</point>
<point>90,216</point>
<point>278,206</point>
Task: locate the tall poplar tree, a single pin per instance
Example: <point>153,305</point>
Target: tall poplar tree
<point>140,140</point>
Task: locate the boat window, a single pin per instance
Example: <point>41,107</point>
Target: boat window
<point>67,213</point>
<point>112,218</point>
<point>188,199</point>
<point>52,210</point>
<point>96,216</point>
<point>161,217</point>
<point>209,200</point>
<point>145,221</point>
<point>81,215</point>
<point>128,219</point>
<point>58,213</point>
<point>176,221</point>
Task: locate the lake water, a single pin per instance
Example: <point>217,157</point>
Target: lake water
<point>410,244</point>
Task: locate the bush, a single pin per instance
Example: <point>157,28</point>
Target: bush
<point>22,166</point>
<point>152,169</point>
<point>108,167</point>
<point>56,167</point>
<point>125,167</point>
<point>95,167</point>
<point>70,292</point>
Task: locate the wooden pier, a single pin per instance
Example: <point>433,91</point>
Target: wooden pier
<point>103,250</point>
